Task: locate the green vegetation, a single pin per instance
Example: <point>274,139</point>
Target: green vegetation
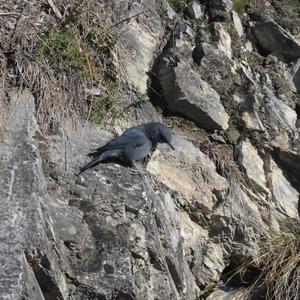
<point>102,41</point>
<point>239,5</point>
<point>84,55</point>
<point>63,49</point>
<point>178,4</point>
<point>206,28</point>
<point>105,108</point>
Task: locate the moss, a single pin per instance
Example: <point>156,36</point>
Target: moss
<point>239,5</point>
<point>105,107</point>
<point>206,28</point>
<point>102,41</point>
<point>63,49</point>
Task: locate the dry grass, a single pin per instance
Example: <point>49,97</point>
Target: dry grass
<point>222,156</point>
<point>278,263</point>
<point>58,58</point>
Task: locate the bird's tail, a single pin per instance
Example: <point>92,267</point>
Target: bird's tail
<point>93,154</point>
<point>92,163</point>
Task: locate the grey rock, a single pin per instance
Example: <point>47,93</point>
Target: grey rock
<point>248,46</point>
<point>193,10</point>
<point>237,23</point>
<point>166,9</point>
<point>168,229</point>
<point>109,227</point>
<point>275,40</point>
<point>293,75</point>
<point>234,293</point>
<point>252,121</point>
<point>220,9</point>
<point>253,165</point>
<point>181,178</point>
<point>138,44</point>
<point>290,157</point>
<point>250,76</point>
<point>285,196</point>
<point>186,93</point>
<point>265,111</point>
<point>279,114</point>
<point>95,92</point>
<point>224,39</point>
<point>182,34</point>
<point>216,67</point>
<point>26,229</point>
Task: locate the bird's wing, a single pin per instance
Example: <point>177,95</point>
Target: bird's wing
<point>128,139</point>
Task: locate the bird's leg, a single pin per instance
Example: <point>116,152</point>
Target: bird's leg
<point>133,166</point>
<point>137,169</point>
<point>148,157</point>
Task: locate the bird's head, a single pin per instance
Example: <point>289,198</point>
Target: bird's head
<point>158,133</point>
<point>165,135</point>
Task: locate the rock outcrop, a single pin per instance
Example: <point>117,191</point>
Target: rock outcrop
<point>273,39</point>
<point>181,224</point>
<point>186,93</point>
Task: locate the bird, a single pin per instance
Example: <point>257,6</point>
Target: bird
<point>133,145</point>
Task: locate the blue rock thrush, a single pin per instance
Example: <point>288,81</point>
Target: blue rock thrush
<point>134,144</point>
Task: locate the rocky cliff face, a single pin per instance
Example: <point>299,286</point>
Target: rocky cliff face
<point>189,223</point>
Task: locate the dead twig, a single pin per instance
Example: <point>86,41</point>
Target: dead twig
<point>55,9</point>
<point>9,14</point>
<point>129,18</point>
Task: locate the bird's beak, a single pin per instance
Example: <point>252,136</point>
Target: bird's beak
<point>171,146</point>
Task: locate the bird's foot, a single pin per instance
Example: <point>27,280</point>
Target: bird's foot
<point>136,168</point>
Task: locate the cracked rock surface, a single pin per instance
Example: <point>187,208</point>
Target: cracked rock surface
<point>179,223</point>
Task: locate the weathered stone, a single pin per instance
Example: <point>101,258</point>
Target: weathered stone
<point>186,93</point>
<point>289,158</point>
<point>224,39</point>
<point>220,9</point>
<point>213,262</point>
<point>279,114</point>
<point>26,229</point>
<point>193,10</point>
<point>237,23</point>
<point>138,44</point>
<point>294,76</point>
<point>252,164</point>
<point>284,195</point>
<point>186,177</point>
<point>229,294</point>
<point>273,39</point>
<point>247,72</point>
<point>205,258</point>
<point>252,121</point>
<point>264,106</point>
<point>248,46</point>
<point>243,206</point>
<point>215,60</point>
<point>165,9</point>
<point>182,35</point>
<point>216,67</point>
<point>169,228</point>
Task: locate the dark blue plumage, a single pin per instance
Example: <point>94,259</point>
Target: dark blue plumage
<point>133,145</point>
